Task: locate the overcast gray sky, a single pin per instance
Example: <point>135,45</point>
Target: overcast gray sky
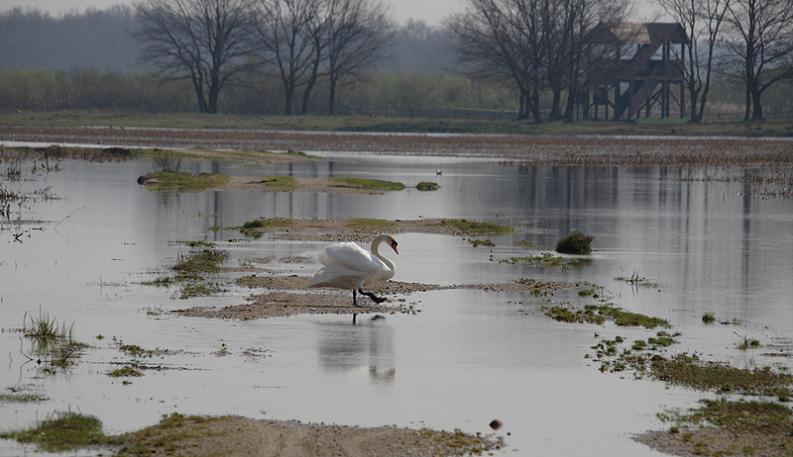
<point>432,11</point>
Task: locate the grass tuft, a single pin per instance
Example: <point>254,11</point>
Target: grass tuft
<point>371,184</point>
<point>64,432</point>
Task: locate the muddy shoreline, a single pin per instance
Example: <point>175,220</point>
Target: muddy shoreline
<point>535,150</point>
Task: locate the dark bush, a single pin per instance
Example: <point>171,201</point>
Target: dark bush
<point>577,242</point>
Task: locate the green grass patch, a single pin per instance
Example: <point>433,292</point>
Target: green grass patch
<point>279,183</point>
<point>540,288</point>
<point>577,243</point>
<point>708,318</point>
<point>476,228</point>
<point>427,186</point>
<point>371,225</point>
<point>200,289</point>
<point>546,259</point>
<point>370,184</point>
<point>258,227</point>
<point>126,371</point>
<point>479,243</point>
<point>196,263</point>
<point>64,432</point>
<point>689,370</point>
<point>22,397</point>
<point>599,314</point>
<point>722,427</point>
<point>184,182</point>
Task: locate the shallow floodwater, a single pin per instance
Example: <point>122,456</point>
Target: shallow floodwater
<point>468,357</point>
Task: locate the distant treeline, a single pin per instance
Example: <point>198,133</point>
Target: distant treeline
<point>50,90</point>
<point>91,60</point>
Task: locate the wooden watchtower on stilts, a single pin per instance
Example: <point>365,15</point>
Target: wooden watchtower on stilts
<point>634,68</point>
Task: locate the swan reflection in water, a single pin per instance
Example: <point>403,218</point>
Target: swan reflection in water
<point>366,346</point>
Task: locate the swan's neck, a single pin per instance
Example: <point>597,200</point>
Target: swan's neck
<point>376,252</point>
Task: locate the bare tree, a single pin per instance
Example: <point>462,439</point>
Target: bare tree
<point>358,32</point>
<point>702,21</point>
<point>205,41</point>
<point>499,39</point>
<point>762,47</point>
<point>288,32</point>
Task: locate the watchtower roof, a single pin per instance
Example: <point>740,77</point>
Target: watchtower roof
<point>638,33</point>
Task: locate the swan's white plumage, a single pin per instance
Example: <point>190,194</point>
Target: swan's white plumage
<point>348,266</point>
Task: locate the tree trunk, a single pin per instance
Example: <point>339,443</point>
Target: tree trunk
<point>522,111</point>
<point>214,94</point>
<point>535,106</point>
<point>332,96</point>
<point>570,109</point>
<point>556,105</point>
<point>693,95</point>
<point>289,97</point>
<point>199,93</point>
<point>748,108</point>
<point>757,104</point>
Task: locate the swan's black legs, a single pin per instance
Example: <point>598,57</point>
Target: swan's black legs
<point>354,298</point>
<point>374,297</point>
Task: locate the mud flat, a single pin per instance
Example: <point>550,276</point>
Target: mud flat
<point>567,150</point>
<point>364,229</point>
<point>287,296</point>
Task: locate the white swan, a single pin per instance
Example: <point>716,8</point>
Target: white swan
<point>347,266</point>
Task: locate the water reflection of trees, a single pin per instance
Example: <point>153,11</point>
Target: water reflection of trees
<point>368,345</point>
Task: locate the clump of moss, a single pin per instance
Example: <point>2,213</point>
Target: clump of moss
<point>477,243</point>
<point>577,242</point>
<point>126,371</point>
<point>183,182</point>
<point>370,184</point>
<point>63,432</point>
<point>371,225</point>
<point>475,228</point>
<point>427,186</point>
<point>258,227</point>
<point>708,318</point>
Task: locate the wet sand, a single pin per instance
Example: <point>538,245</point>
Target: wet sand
<point>236,436</point>
<point>535,150</point>
<point>290,296</point>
